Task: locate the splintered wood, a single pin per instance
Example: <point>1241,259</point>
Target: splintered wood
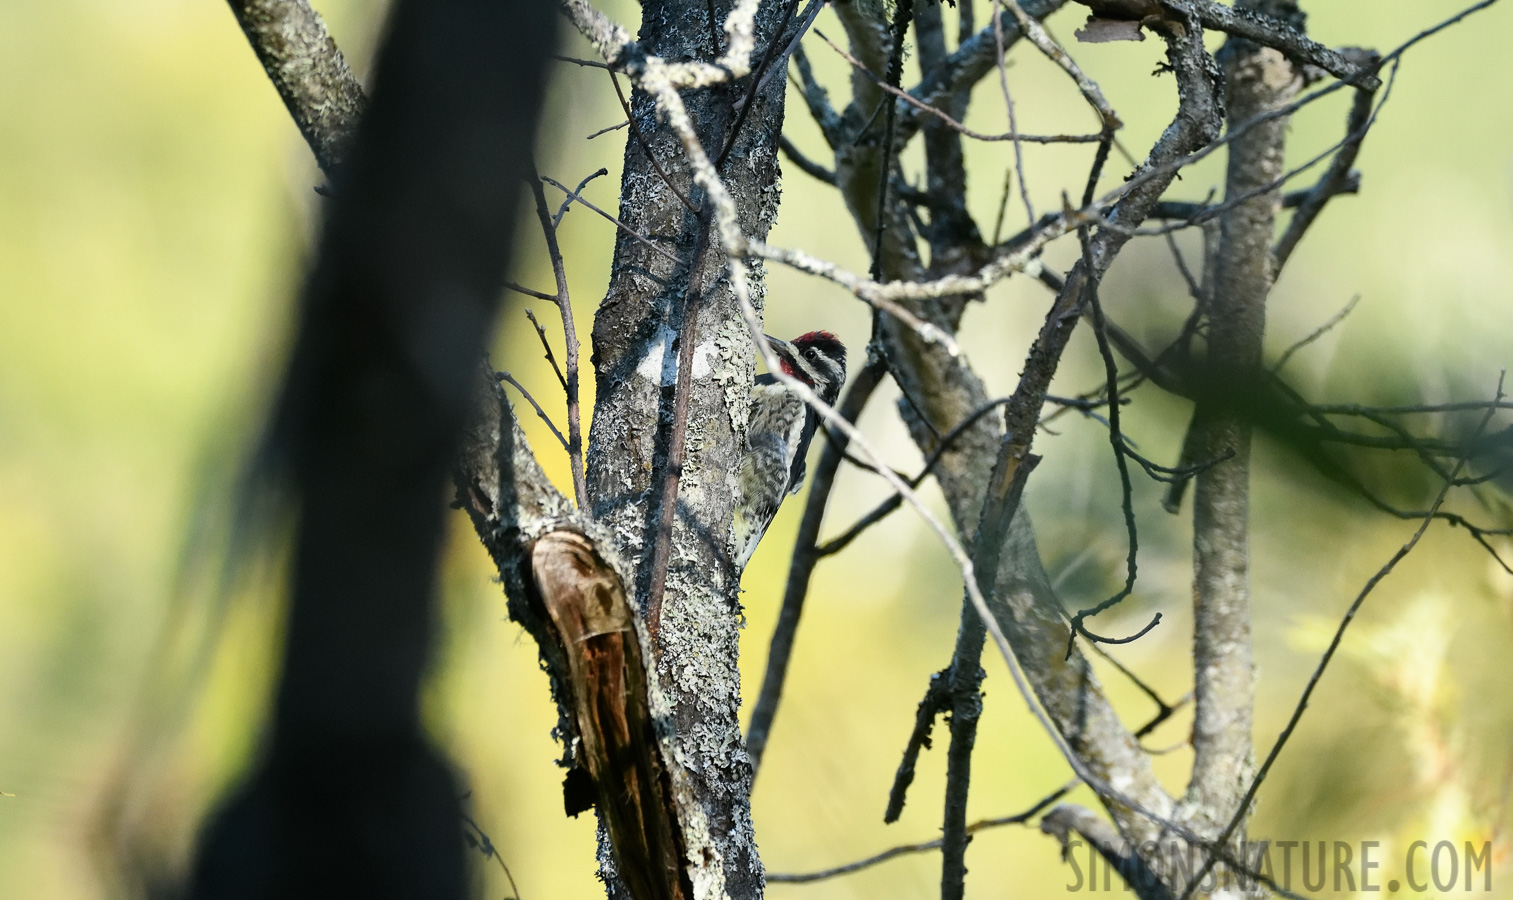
<point>595,629</point>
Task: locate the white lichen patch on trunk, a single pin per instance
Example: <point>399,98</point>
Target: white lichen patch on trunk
<point>660,364</point>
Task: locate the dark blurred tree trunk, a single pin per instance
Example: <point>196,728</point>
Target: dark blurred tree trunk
<point>350,798</point>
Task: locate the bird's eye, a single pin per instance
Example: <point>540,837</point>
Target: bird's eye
<point>809,353</point>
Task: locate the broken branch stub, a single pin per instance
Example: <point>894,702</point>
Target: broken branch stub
<point>593,625</point>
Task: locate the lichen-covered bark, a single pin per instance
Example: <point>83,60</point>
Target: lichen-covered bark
<point>504,491</point>
<point>310,73</point>
<point>1258,79</point>
<point>635,358</point>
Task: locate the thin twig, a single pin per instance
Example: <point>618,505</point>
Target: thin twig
<point>638,236</point>
<point>672,468</point>
<point>881,511</point>
<point>585,63</point>
<point>1008,101</point>
<point>1335,181</point>
<point>1003,204</point>
<point>646,147</point>
<point>968,64</point>
<point>780,63</point>
<point>1208,212</point>
<point>551,357</point>
<point>816,98</point>
<point>937,699</point>
<point>1356,409</point>
<point>567,202</point>
<point>569,339</point>
<point>1317,333</point>
<point>1165,711</point>
<point>945,117</point>
<point>1037,35</point>
<point>1121,451</point>
<point>905,849</point>
<point>1197,213</point>
<point>487,848</point>
<point>903,17</point>
<point>510,379</point>
<point>522,289</point>
<point>758,79</point>
<point>714,29</point>
<point>608,128</point>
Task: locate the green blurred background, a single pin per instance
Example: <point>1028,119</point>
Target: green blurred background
<point>156,210</point>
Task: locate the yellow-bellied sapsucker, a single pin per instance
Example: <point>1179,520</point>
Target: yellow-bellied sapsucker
<point>781,425</point>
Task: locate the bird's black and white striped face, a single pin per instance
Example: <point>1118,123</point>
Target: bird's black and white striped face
<point>818,359</point>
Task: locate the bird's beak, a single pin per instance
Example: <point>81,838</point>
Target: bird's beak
<point>777,345</point>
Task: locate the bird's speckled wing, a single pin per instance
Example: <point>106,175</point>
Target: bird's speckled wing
<point>771,469</point>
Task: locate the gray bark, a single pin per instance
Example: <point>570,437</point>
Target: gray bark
<point>1258,79</point>
<point>310,73</point>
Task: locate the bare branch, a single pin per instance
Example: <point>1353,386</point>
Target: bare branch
<point>937,700</point>
<point>546,346</point>
<point>311,75</point>
<point>1317,333</point>
<point>808,166</point>
<point>1243,21</point>
<point>817,100</point>
<point>971,62</point>
<point>781,62</point>
<point>608,128</point>
<point>1043,42</point>
<point>672,468</point>
<point>1136,871</point>
<point>1197,213</point>
<point>760,76</point>
<point>583,63</point>
<point>567,202</point>
<point>1121,451</point>
<point>1008,102</point>
<point>522,289</point>
<point>645,147</point>
<point>903,17</point>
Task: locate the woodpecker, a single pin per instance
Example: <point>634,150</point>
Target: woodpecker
<point>781,426</point>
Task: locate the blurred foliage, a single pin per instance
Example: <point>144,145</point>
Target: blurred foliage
<point>155,212</point>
